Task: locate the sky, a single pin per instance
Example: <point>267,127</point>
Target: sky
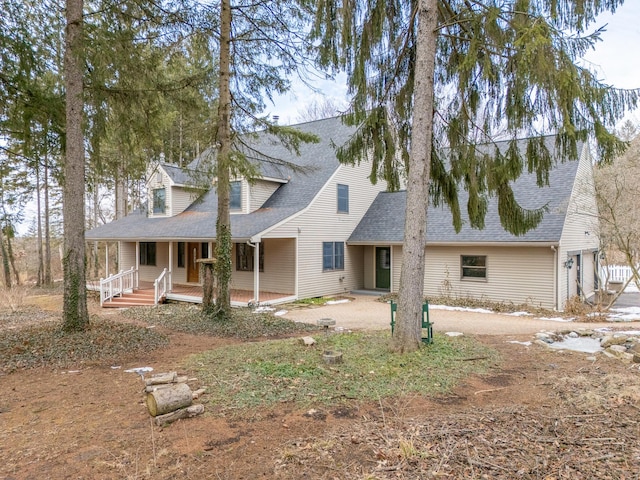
<point>615,60</point>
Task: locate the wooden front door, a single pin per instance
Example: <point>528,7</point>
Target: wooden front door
<point>383,268</point>
<point>193,267</point>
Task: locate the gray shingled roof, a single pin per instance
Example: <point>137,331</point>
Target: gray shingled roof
<point>317,161</point>
<point>384,221</point>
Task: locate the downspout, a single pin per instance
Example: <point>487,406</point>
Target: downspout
<point>256,271</point>
<point>556,275</point>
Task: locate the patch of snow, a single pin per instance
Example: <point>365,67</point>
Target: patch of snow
<point>279,313</point>
<point>460,309</point>
<point>520,314</point>
<point>264,309</point>
<point>335,302</point>
<point>526,344</point>
<point>139,370</point>
<point>454,334</point>
<point>580,344</point>
<point>626,314</point>
<point>557,319</point>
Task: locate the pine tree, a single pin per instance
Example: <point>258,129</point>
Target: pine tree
<point>432,79</point>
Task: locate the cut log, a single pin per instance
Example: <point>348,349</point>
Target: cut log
<point>167,418</point>
<point>199,392</point>
<point>170,377</point>
<point>165,400</point>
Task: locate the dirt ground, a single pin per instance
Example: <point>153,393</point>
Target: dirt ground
<point>536,414</point>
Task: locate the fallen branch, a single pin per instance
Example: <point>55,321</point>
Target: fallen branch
<point>489,390</point>
<point>167,418</point>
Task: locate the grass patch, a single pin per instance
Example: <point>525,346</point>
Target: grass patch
<point>266,373</point>
<point>46,344</point>
<point>244,323</point>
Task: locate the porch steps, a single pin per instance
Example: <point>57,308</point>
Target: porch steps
<point>138,298</point>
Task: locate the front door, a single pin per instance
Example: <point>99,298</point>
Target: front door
<point>193,267</point>
<point>383,268</point>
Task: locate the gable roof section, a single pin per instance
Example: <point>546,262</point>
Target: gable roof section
<point>316,164</point>
<point>384,221</point>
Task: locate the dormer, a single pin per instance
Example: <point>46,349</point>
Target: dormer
<point>170,190</point>
<point>245,197</point>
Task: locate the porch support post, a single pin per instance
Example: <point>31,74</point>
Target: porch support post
<point>106,263</point>
<point>170,265</point>
<point>256,271</point>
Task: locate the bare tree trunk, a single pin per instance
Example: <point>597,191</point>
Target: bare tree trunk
<point>48,280</point>
<point>74,315</point>
<point>96,251</point>
<point>12,258</point>
<point>5,261</point>
<point>223,141</point>
<point>407,333</point>
<point>120,193</point>
<point>39,186</point>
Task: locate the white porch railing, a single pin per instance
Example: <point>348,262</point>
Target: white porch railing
<point>160,286</point>
<point>117,284</point>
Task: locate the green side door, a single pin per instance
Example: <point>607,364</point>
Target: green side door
<point>383,268</point>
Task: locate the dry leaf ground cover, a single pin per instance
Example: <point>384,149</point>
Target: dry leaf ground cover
<point>528,413</point>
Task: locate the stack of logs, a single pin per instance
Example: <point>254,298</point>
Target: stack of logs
<point>169,398</point>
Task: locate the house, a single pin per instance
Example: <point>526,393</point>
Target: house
<point>544,267</point>
<point>323,229</point>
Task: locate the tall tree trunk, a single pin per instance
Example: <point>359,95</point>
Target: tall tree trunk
<point>407,333</point>
<point>39,187</point>
<point>12,259</point>
<point>96,250</point>
<point>74,315</point>
<point>121,190</point>
<point>5,261</point>
<point>48,280</point>
<point>223,141</point>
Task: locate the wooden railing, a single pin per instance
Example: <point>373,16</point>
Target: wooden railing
<point>160,286</point>
<point>117,284</point>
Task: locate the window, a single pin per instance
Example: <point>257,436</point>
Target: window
<point>333,256</point>
<point>343,198</point>
<point>474,267</point>
<point>181,256</point>
<point>235,196</point>
<point>159,200</point>
<point>148,253</point>
<point>244,257</point>
<point>204,250</point>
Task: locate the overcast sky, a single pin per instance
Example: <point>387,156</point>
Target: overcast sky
<point>616,61</point>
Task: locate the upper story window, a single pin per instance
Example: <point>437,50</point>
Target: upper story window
<point>235,196</point>
<point>473,267</point>
<point>148,253</point>
<point>332,256</point>
<point>159,200</point>
<point>343,198</point>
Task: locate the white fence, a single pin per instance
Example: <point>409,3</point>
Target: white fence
<point>616,273</point>
<point>116,285</point>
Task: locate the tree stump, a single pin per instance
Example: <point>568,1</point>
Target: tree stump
<point>169,399</point>
<point>332,358</point>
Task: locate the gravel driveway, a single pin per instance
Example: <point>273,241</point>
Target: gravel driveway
<point>365,312</point>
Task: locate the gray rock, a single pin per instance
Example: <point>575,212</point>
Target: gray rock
<point>609,340</point>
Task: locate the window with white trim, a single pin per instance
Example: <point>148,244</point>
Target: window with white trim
<point>235,196</point>
<point>343,198</point>
<point>148,253</point>
<point>159,200</point>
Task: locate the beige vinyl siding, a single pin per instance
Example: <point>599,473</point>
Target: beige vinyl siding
<point>581,218</point>
<point>260,192</point>
<point>369,267</point>
<point>180,200</point>
<point>149,273</point>
<point>279,268</point>
<point>514,274</point>
<point>127,255</point>
<point>322,223</point>
<point>396,266</point>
